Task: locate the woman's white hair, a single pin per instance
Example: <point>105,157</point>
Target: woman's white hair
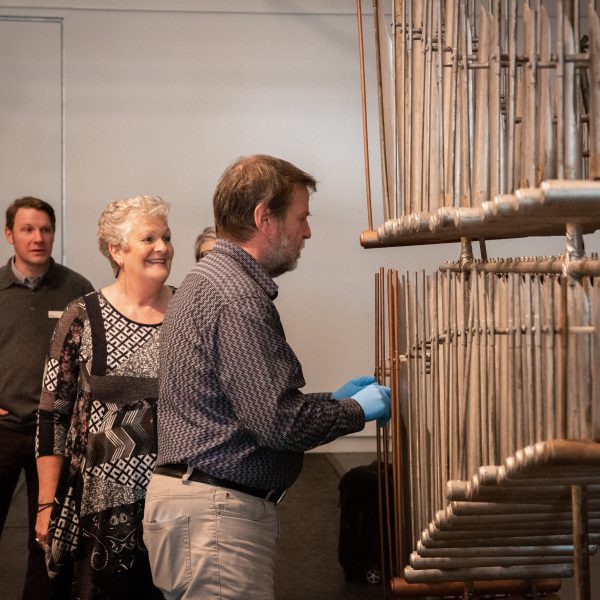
<point>118,218</point>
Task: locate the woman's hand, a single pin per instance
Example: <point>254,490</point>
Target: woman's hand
<point>41,524</point>
<point>48,468</point>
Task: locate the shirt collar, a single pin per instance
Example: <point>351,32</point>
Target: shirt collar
<point>250,264</point>
<point>11,275</point>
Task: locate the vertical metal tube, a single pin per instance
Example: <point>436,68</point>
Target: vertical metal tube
<point>494,113</point>
<point>465,112</point>
<point>408,130</point>
<point>559,87</point>
<point>545,153</point>
<point>549,361</point>
<point>513,369</point>
<point>440,104</point>
<point>381,112</point>
<point>575,243</point>
<point>512,93</point>
<point>426,129</point>
<point>471,386</point>
<point>520,410</point>
<point>532,363</point>
<point>503,95</point>
<point>482,139</point>
<point>443,380</point>
<point>484,397</point>
<point>364,114</point>
<point>538,361</point>
<point>589,366</point>
<point>464,374</point>
<point>380,440</point>
<point>412,401</point>
<point>408,478</point>
<point>580,542</point>
<point>424,465</point>
<point>493,395</point>
<point>455,374</point>
<point>398,439</point>
<point>401,76</point>
<point>385,484</point>
<point>594,109</point>
<point>504,363</point>
<point>417,115</point>
<point>562,382</point>
<point>529,132</point>
<point>451,185</point>
<point>398,71</point>
<point>571,139</point>
<point>432,375</point>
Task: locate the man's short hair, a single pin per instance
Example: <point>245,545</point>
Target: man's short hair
<point>29,202</point>
<point>250,181</point>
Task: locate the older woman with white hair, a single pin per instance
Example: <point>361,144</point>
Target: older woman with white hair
<point>96,441</point>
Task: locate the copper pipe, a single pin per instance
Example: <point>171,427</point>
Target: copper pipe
<point>562,367</point>
<point>580,541</point>
<point>381,112</point>
<point>594,125</point>
<point>487,573</point>
<point>363,95</point>
<point>400,587</point>
<point>380,439</point>
<point>395,541</point>
<point>383,457</point>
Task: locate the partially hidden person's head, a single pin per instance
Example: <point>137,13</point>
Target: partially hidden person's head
<point>30,226</point>
<point>134,234</point>
<point>205,242</point>
<point>264,196</point>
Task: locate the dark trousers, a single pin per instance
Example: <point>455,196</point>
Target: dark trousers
<point>17,453</point>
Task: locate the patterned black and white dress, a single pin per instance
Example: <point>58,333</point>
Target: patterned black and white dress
<point>98,410</point>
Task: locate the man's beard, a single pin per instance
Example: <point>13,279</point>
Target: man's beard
<point>282,257</point>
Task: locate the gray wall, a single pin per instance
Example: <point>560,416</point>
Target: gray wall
<point>102,100</point>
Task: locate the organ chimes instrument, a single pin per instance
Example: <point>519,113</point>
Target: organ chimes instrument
<point>489,128</point>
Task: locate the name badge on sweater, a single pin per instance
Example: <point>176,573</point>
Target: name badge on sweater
<point>55,314</point>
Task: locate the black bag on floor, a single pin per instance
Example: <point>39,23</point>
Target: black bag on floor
<point>359,548</point>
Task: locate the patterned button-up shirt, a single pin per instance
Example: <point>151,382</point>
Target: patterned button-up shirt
<point>229,400</point>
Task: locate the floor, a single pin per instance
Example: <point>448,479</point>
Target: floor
<point>307,567</point>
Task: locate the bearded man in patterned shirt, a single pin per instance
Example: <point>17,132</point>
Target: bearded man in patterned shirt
<point>232,422</point>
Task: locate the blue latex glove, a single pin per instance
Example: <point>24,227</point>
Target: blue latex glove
<point>352,387</point>
<point>375,402</point>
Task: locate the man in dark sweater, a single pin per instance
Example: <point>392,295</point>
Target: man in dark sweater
<point>33,292</point>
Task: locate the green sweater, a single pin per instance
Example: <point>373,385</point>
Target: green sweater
<point>27,320</point>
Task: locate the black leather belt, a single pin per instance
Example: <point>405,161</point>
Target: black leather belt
<point>275,496</point>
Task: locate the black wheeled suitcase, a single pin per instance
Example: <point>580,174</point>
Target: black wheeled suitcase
<point>359,547</point>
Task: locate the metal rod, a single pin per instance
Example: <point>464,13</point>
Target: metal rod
<point>580,542</point>
<point>363,93</point>
<point>401,588</point>
<point>381,107</point>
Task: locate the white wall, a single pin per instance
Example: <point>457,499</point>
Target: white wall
<point>30,113</point>
<point>159,97</point>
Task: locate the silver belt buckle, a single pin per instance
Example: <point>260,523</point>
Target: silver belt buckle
<point>275,496</point>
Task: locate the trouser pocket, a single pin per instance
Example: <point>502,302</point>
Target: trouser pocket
<point>168,544</point>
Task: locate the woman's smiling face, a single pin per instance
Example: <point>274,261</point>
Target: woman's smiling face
<point>149,250</point>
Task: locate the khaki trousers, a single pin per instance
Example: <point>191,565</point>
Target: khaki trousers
<point>207,542</point>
